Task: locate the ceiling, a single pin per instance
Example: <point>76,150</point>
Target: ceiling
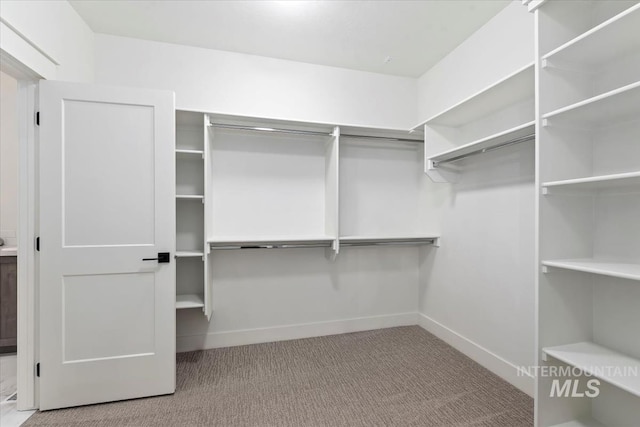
<point>403,38</point>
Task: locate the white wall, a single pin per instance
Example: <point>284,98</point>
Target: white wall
<point>262,295</point>
<point>232,83</point>
<point>499,48</point>
<point>477,290</point>
<point>8,159</point>
<point>49,37</point>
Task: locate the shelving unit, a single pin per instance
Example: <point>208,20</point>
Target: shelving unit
<point>500,115</point>
<point>192,252</point>
<point>589,205</point>
<point>267,184</point>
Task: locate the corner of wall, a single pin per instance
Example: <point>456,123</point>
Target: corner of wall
<point>55,43</point>
<point>485,57</point>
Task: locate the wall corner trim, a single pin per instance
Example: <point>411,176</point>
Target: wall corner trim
<point>496,364</point>
<point>291,332</point>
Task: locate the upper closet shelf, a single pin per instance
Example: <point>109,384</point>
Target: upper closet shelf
<point>617,106</point>
<point>270,242</point>
<point>601,362</point>
<point>612,39</point>
<point>500,139</point>
<point>602,267</point>
<point>620,180</point>
<point>516,135</point>
<point>514,88</point>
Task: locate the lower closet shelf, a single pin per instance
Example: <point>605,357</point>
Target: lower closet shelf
<point>610,366</point>
<point>189,301</point>
<point>595,266</point>
<point>189,254</point>
<point>581,423</point>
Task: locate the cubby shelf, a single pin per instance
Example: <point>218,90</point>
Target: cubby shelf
<point>189,254</point>
<point>620,180</point>
<point>595,266</point>
<point>189,196</point>
<point>486,143</point>
<point>258,241</point>
<point>184,152</point>
<point>609,40</point>
<point>585,422</point>
<point>514,88</point>
<point>189,301</point>
<point>616,106</point>
<point>600,362</point>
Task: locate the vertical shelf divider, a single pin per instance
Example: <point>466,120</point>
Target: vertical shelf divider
<point>208,134</point>
<point>332,195</point>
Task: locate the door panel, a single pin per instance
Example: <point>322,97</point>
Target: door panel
<point>88,336</point>
<point>107,200</point>
<point>98,196</point>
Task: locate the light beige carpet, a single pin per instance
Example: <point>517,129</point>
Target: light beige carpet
<point>390,377</point>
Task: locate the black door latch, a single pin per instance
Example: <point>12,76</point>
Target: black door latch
<point>163,258</point>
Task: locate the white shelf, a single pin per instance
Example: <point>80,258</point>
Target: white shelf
<point>516,87</point>
<point>185,152</point>
<point>613,38</point>
<point>189,196</point>
<point>363,240</point>
<point>585,422</point>
<point>616,106</point>
<point>487,142</point>
<point>600,362</point>
<point>241,241</point>
<point>189,254</point>
<point>189,301</point>
<point>595,266</point>
<point>620,180</point>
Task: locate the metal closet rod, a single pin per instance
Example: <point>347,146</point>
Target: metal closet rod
<point>486,150</point>
<point>274,246</point>
<point>309,132</point>
<point>323,245</point>
<point>420,243</point>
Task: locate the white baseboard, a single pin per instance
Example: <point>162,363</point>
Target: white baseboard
<point>291,332</point>
<point>496,364</point>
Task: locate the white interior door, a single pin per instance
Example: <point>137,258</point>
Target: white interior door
<point>107,201</point>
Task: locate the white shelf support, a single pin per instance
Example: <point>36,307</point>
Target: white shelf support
<point>441,174</point>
